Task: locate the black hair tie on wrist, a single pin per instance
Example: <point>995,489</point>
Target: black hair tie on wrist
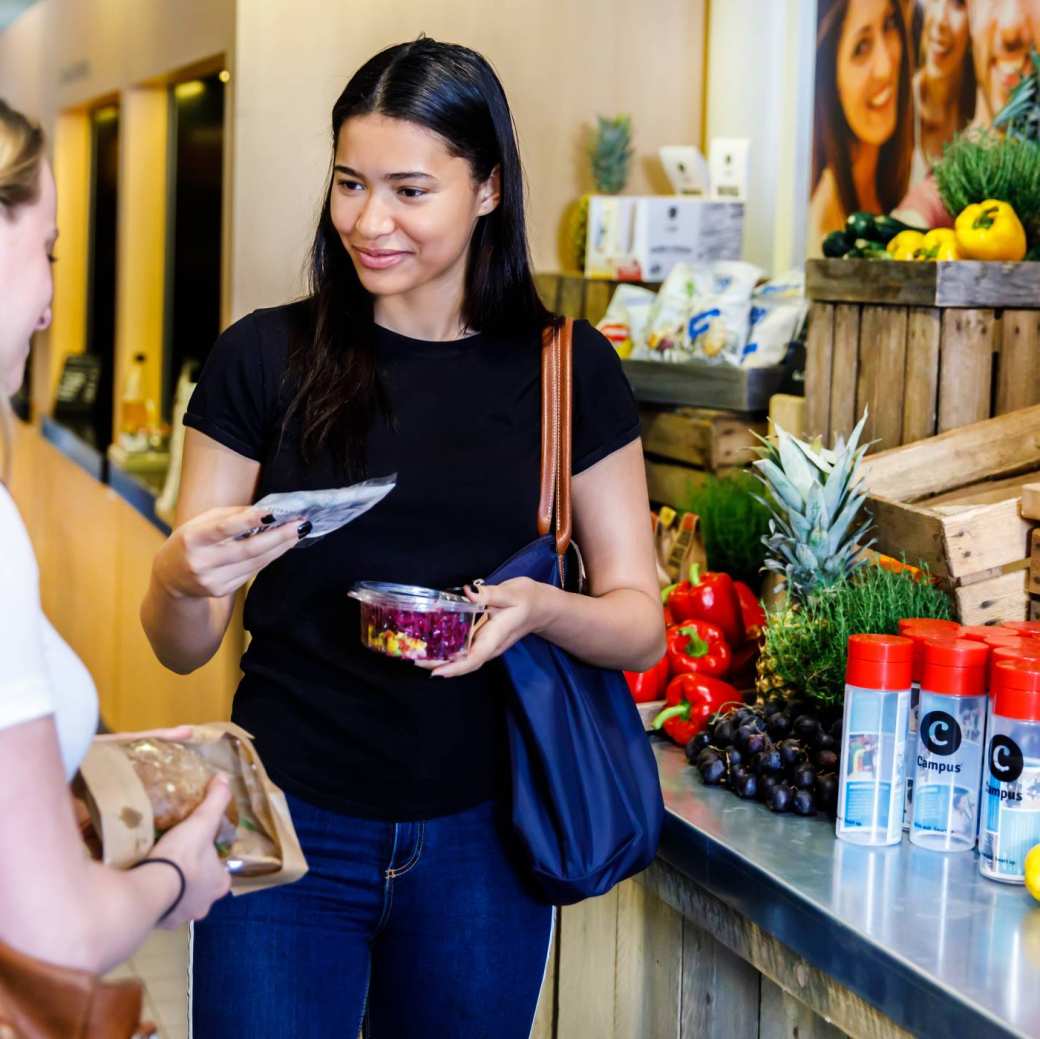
<point>180,876</point>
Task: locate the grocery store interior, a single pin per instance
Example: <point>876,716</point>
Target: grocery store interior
<point>808,234</point>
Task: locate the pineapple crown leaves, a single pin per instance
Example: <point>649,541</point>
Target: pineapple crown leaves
<point>814,498</point>
<point>610,152</point>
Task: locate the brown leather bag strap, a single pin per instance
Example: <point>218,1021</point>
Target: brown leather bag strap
<point>565,389</point>
<point>547,498</point>
<point>554,507</point>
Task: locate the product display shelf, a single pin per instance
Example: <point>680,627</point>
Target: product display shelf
<point>928,347</point>
<point>690,384</point>
<point>751,924</point>
<point>953,501</point>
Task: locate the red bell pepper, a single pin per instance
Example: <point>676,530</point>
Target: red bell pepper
<point>698,647</point>
<point>751,610</point>
<point>691,701</point>
<point>647,686</point>
<point>707,597</point>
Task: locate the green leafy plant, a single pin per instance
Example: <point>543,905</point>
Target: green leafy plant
<point>610,153</point>
<point>809,649</point>
<point>984,164</point>
<point>733,524</point>
<point>1020,117</point>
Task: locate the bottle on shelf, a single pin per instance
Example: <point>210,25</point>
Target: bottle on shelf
<point>134,411</point>
<point>1011,772</point>
<point>948,748</point>
<point>871,784</point>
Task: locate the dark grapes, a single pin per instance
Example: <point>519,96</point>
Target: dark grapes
<point>725,732</point>
<point>712,771</point>
<point>824,741</point>
<point>696,745</point>
<point>827,791</point>
<point>806,727</point>
<point>747,787</point>
<point>802,802</point>
<point>779,726</point>
<point>755,743</point>
<point>780,798</point>
<point>791,753</point>
<point>804,777</point>
<point>826,760</point>
<point>767,761</point>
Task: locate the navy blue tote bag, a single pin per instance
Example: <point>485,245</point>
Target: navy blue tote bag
<point>587,805</point>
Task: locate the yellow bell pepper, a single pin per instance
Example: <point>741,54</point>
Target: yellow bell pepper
<point>940,244</point>
<point>1032,868</point>
<point>905,245</point>
<point>991,230</point>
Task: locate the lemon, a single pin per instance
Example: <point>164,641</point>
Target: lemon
<point>1032,867</point>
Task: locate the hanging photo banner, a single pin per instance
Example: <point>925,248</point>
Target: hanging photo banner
<point>895,81</point>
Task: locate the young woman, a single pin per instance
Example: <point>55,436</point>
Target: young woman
<point>417,353</point>
<point>862,129</point>
<point>944,85</point>
<point>55,904</point>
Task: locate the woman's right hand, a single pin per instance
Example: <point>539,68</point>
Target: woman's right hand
<point>202,557</point>
<point>191,845</point>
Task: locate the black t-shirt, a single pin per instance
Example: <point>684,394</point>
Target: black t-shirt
<point>335,723</point>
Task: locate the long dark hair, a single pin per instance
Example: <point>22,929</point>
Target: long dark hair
<point>832,135</point>
<point>454,92</point>
<point>968,92</point>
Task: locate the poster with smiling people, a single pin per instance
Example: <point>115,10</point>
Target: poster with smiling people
<point>895,81</point>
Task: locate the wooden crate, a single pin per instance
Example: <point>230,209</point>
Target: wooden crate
<point>928,347</point>
<point>574,295</point>
<point>685,445</point>
<point>953,501</point>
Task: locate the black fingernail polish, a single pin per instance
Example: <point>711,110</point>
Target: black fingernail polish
<point>268,519</point>
<point>304,528</point>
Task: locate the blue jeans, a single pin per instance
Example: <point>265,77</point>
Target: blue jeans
<point>424,929</point>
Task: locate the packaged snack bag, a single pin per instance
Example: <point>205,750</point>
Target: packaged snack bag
<point>136,788</point>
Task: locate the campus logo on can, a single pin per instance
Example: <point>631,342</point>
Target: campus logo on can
<point>1005,759</point>
<point>940,733</point>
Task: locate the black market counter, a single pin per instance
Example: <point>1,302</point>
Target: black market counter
<point>756,925</point>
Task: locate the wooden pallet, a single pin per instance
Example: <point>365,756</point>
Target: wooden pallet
<point>954,502</point>
<point>686,445</point>
<point>928,347</point>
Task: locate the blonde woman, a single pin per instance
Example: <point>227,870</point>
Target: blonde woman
<point>55,904</point>
<point>944,85</point>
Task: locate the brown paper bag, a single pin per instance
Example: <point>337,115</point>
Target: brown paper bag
<point>266,851</point>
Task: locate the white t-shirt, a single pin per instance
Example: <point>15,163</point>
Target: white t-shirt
<point>39,674</point>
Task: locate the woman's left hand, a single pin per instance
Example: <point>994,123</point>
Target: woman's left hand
<point>514,609</point>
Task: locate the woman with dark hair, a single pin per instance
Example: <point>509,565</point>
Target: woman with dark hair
<point>944,85</point>
<point>862,126</point>
<point>417,352</point>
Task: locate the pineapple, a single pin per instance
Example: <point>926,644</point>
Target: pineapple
<point>610,153</point>
<point>815,499</point>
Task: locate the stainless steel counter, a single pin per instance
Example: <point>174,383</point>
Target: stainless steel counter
<point>920,935</point>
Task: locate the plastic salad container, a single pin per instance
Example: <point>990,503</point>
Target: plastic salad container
<point>410,623</point>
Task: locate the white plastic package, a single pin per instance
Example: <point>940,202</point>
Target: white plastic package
<point>327,510</point>
<point>624,322</point>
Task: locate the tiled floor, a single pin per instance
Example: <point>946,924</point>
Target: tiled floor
<point>162,965</point>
